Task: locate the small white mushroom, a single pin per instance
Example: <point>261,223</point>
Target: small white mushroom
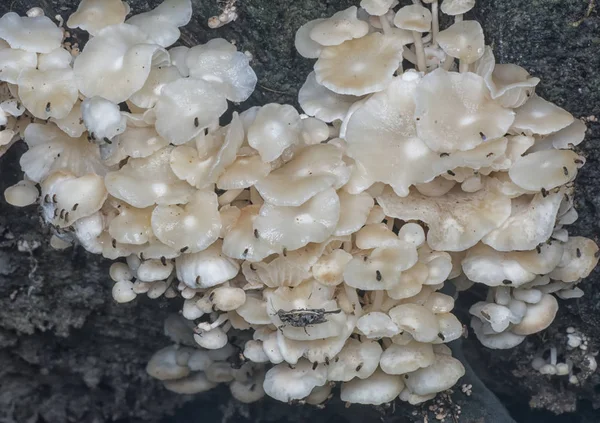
<point>401,359</point>
<point>441,375</point>
<point>342,26</point>
<point>321,102</point>
<point>162,23</point>
<point>377,325</point>
<point>163,365</point>
<point>357,359</point>
<point>36,34</point>
<point>416,320</point>
<point>285,384</point>
<point>463,40</point>
<point>275,128</point>
<point>538,316</point>
<point>538,116</point>
<point>545,169</point>
<point>22,194</point>
<point>379,388</point>
<point>192,384</point>
<point>206,268</point>
<point>93,15</point>
<point>304,44</point>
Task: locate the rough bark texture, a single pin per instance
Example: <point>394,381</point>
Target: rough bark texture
<point>68,353</point>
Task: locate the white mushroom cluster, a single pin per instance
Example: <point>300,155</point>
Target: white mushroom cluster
<point>321,240</point>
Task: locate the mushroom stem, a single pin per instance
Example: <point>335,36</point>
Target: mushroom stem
<point>206,327</point>
<point>255,197</point>
<point>435,23</point>
<point>353,298</point>
<point>377,301</point>
<point>462,66</point>
<point>420,50</point>
<point>229,196</point>
<point>447,65</point>
<point>385,25</point>
<point>458,18</point>
<point>409,55</point>
<point>390,223</point>
<point>553,356</point>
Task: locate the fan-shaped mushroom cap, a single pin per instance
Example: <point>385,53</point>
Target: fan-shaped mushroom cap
<point>413,18</point>
<point>147,96</point>
<point>510,85</point>
<point>376,7</point>
<point>68,198</point>
<point>194,227</point>
<point>285,384</point>
<point>36,34</point>
<point>377,325</point>
<point>23,193</point>
<point>240,242</point>
<point>412,233</point>
<point>192,384</point>
<point>47,94</point>
<point>546,169</point>
<point>502,341</point>
<point>294,227</point>
<point>381,269</point>
<point>93,15</point>
<point>463,40</point>
<point>400,359</point>
<point>342,26</point>
<point>186,107</point>
<point>538,116</point>
<point>56,59</point>
<point>416,320</point>
<point>466,117</point>
<point>580,257</point>
<point>567,137</point>
<point>449,216</point>
<point>134,142</point>
<point>322,103</point>
<point>329,270</point>
<point>147,181</point>
<point>162,23</point>
<point>131,226</point>
<point>163,365</point>
<point>457,7</point>
<point>275,128</point>
<point>115,63</point>
<point>213,339</point>
<point>224,67</point>
<point>254,311</point>
<point>498,316</point>
<point>202,166</point>
<point>154,270</point>
<point>312,170</point>
<point>102,118</point>
<point>243,173</point>
<point>13,61</point>
<point>354,211</point>
<point>531,222</point>
<point>50,150</point>
<point>357,359</point>
<point>379,388</point>
<point>438,377</point>
<point>304,44</point>
<point>538,316</point>
<point>72,124</point>
<point>206,268</point>
<point>360,66</point>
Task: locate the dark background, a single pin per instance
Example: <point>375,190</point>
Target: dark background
<point>68,353</point>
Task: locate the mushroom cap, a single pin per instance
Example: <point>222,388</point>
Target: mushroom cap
<point>376,7</point>
<point>226,68</point>
<point>72,124</point>
<point>567,137</point>
<point>13,61</point>
<point>321,102</point>
<point>154,270</point>
<point>240,243</point>
<point>359,66</point>
<point>510,85</point>
<point>401,359</point>
<point>449,216</point>
<point>546,169</point>
<point>162,23</point>
<point>56,59</point>
<point>93,15</point>
<point>285,384</point>
<point>244,172</point>
<point>415,17</point>
<point>538,116</point>
<point>416,320</point>
<point>194,226</point>
<point>376,325</point>
<point>501,341</point>
<point>304,44</point>
<point>192,384</point>
<point>178,59</point>
<point>23,193</point>
<point>132,225</point>
<point>312,170</point>
<point>457,7</point>
<point>36,34</point>
<point>134,142</point>
<point>48,94</point>
<point>342,26</point>
<point>275,128</point>
<point>466,117</point>
<point>329,269</point>
<point>531,222</point>
<point>186,107</point>
<point>163,365</point>
<point>580,257</point>
<point>50,150</point>
<point>463,40</point>
<point>538,316</point>
<point>159,76</point>
<point>206,268</point>
<point>115,63</point>
<point>294,227</point>
<point>363,356</point>
<point>379,388</point>
<point>354,211</point>
<point>438,377</point>
<point>146,181</point>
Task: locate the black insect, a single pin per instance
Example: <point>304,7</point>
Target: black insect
<point>196,122</point>
<point>303,317</point>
